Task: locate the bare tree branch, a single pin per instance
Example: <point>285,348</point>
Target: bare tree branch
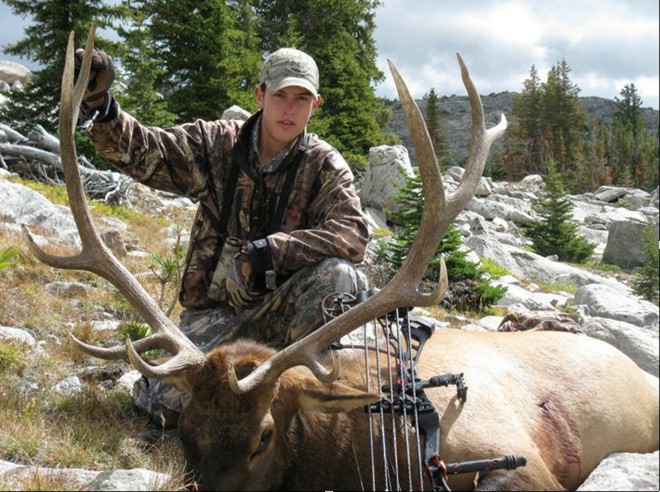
<point>38,157</point>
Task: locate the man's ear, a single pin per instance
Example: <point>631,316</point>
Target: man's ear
<point>259,96</point>
<point>317,102</point>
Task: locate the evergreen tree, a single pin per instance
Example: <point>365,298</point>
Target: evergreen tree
<point>204,62</point>
<point>628,110</point>
<point>45,43</point>
<point>596,164</point>
<point>564,121</point>
<point>469,288</point>
<point>647,277</point>
<point>634,151</point>
<point>555,234</point>
<point>139,60</point>
<point>432,119</point>
<point>548,122</point>
<point>338,34</point>
<point>524,138</point>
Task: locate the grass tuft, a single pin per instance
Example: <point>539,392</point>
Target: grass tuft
<point>97,429</point>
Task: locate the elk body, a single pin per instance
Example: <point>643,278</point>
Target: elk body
<point>264,420</point>
<point>563,401</point>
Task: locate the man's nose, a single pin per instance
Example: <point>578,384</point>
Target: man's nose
<point>288,105</point>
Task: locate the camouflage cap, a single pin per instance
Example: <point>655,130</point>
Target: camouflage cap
<point>290,67</point>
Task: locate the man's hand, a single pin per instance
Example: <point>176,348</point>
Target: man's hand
<point>101,77</point>
<point>237,283</point>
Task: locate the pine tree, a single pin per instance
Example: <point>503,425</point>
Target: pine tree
<point>635,152</point>
<point>469,288</point>
<point>555,234</point>
<point>338,34</point>
<point>564,122</point>
<point>141,70</point>
<point>203,66</point>
<point>524,138</point>
<point>596,165</point>
<point>548,122</point>
<point>45,43</point>
<point>432,119</point>
<point>628,110</point>
<point>647,277</point>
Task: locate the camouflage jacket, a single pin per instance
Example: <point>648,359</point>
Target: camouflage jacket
<point>323,218</point>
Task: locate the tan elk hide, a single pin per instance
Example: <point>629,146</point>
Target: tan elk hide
<point>296,420</point>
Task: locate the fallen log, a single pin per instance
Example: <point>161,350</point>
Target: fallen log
<point>37,157</point>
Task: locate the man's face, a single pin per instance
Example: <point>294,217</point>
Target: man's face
<point>286,112</point>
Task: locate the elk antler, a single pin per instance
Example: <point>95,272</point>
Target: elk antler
<point>402,290</point>
<point>95,257</point>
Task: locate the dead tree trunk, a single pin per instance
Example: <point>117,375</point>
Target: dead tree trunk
<point>37,156</point>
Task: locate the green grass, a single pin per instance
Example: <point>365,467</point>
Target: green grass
<point>548,288</point>
<point>494,269</point>
<point>99,428</point>
<point>12,358</point>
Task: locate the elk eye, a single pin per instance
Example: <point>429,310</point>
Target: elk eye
<point>266,437</point>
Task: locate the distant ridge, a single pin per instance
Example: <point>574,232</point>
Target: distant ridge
<point>455,119</point>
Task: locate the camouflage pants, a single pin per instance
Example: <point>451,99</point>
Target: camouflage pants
<point>286,314</point>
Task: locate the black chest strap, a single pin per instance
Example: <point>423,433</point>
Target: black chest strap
<point>292,171</point>
<point>220,224</point>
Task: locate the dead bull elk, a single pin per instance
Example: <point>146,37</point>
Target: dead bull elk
<point>258,419</point>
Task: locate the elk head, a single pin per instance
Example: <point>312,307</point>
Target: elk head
<point>244,379</point>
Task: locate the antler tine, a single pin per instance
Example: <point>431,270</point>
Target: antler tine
<point>480,143</point>
<point>94,256</point>
<point>402,290</point>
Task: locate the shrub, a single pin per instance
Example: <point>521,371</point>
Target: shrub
<point>554,234</point>
<point>469,288</point>
<point>646,280</point>
<point>7,256</point>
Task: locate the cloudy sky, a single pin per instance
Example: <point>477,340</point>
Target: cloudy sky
<point>607,43</point>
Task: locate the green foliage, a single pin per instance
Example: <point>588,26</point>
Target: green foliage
<point>134,330</point>
<point>568,286</point>
<point>12,358</point>
<point>548,122</point>
<point>339,35</point>
<point>555,234</point>
<point>32,106</point>
<point>472,295</point>
<point>647,277</point>
<point>634,151</point>
<point>142,68</point>
<point>7,256</point>
<point>168,269</point>
<point>494,269</point>
<point>470,288</point>
<point>45,43</point>
<point>196,54</point>
<point>603,267</point>
<point>432,120</point>
<point>54,193</point>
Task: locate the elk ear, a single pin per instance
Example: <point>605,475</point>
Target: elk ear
<point>180,380</point>
<point>333,398</point>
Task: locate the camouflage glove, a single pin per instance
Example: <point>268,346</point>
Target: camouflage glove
<point>101,77</point>
<point>237,283</point>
